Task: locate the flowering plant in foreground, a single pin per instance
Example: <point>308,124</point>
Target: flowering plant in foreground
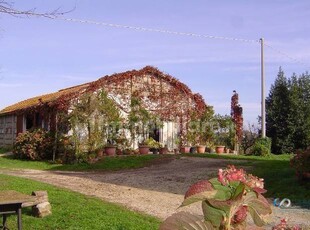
<point>284,226</point>
<point>226,202</point>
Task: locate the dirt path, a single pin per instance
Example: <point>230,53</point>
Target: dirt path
<point>157,190</point>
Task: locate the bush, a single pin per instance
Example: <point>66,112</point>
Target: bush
<point>33,145</point>
<point>261,147</point>
<point>301,163</point>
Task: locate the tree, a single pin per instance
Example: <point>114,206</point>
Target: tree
<point>287,113</point>
<point>8,8</point>
<point>299,110</point>
<point>249,137</point>
<point>94,119</point>
<point>278,125</point>
<point>200,130</point>
<point>224,130</point>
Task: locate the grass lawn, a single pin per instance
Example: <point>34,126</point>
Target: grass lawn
<point>72,210</point>
<point>280,179</point>
<point>107,163</point>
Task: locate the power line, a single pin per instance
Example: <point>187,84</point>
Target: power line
<point>286,55</point>
<point>145,29</point>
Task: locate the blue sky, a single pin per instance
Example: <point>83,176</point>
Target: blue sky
<point>40,55</point>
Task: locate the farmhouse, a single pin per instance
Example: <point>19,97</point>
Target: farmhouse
<point>162,95</point>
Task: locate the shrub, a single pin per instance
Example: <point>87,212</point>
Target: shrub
<point>301,163</point>
<point>226,202</point>
<point>33,145</point>
<point>261,147</point>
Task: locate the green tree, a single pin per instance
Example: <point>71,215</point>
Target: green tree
<point>287,113</point>
<point>200,130</point>
<point>299,110</point>
<point>224,129</point>
<point>94,120</point>
<point>278,124</point>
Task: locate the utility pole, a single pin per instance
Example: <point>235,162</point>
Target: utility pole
<point>263,105</point>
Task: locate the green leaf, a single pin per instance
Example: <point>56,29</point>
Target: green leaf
<point>198,197</point>
<point>185,221</point>
<point>215,181</point>
<point>239,190</point>
<point>212,214</point>
<point>223,192</point>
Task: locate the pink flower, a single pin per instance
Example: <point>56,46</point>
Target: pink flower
<point>225,176</point>
<point>231,174</point>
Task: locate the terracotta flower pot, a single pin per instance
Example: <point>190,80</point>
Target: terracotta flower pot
<point>110,150</point>
<point>219,149</point>
<point>185,149</point>
<point>201,149</point>
<point>144,149</point>
<point>163,151</point>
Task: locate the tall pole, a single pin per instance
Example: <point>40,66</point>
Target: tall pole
<point>263,106</point>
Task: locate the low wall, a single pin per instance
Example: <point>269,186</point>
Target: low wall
<point>7,130</point>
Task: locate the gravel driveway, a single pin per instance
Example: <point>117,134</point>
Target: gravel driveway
<point>157,190</point>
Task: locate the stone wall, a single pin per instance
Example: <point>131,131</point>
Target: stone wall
<point>7,130</point>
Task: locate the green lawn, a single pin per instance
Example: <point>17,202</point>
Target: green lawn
<point>107,163</point>
<point>71,210</point>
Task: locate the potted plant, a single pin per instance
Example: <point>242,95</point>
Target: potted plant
<point>153,145</point>
<point>143,148</point>
<point>128,151</point>
<point>110,149</point>
<point>219,149</point>
<point>163,150</point>
<point>200,132</point>
<point>185,149</point>
<point>223,128</point>
<point>201,148</point>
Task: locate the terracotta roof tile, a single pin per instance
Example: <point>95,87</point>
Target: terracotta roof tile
<point>34,101</point>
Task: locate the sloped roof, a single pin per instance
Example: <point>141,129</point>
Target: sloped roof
<point>46,98</point>
<point>92,86</point>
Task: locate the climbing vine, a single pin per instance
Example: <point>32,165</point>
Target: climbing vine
<point>159,93</point>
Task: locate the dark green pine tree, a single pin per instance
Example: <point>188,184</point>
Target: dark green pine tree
<point>299,110</point>
<point>278,122</point>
